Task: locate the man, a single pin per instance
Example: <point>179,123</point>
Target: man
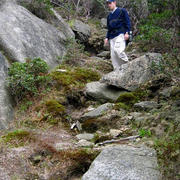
<point>118,24</point>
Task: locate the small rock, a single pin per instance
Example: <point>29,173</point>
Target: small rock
<point>102,92</point>
<point>146,105</point>
<point>85,143</point>
<point>78,125</point>
<point>115,132</point>
<point>104,54</point>
<point>176,103</point>
<point>98,111</point>
<point>166,92</point>
<point>85,136</point>
<point>62,146</point>
<point>103,22</point>
<point>138,139</point>
<point>36,158</point>
<point>90,108</point>
<point>159,130</point>
<point>127,119</point>
<point>61,70</point>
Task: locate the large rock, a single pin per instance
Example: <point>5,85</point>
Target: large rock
<point>59,22</point>
<point>53,18</point>
<point>23,35</point>
<point>134,73</point>
<point>102,92</point>
<point>124,163</point>
<point>82,31</point>
<point>6,109</point>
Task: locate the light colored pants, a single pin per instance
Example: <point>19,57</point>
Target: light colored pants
<point>118,56</point>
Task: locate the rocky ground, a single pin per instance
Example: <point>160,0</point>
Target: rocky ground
<point>90,123</point>
<point>38,148</point>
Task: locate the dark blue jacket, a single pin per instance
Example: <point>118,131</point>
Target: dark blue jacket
<point>117,23</point>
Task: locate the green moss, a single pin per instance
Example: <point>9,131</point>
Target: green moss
<point>119,106</point>
<point>74,77</point>
<point>144,132</point>
<point>127,98</point>
<point>16,138</point>
<point>54,107</point>
<point>71,22</point>
<point>141,94</point>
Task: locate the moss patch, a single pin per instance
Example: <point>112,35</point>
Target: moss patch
<point>54,107</point>
<point>16,138</point>
<point>119,106</point>
<point>74,78</point>
<point>128,98</point>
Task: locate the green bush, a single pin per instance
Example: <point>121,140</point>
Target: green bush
<point>155,33</point>
<point>168,154</point>
<point>27,78</point>
<point>144,132</point>
<point>75,50</point>
<point>40,8</point>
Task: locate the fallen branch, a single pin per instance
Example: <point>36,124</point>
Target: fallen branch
<point>119,140</point>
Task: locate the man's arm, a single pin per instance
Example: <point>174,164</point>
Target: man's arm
<point>107,34</point>
<point>127,21</point>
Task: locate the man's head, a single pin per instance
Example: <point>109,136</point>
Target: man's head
<point>111,4</point>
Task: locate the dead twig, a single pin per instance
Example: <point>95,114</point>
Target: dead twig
<point>119,140</point>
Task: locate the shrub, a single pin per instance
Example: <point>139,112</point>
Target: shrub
<point>75,50</point>
<point>40,8</point>
<point>27,78</point>
<point>159,32</point>
<point>155,33</point>
<point>168,154</point>
<point>144,132</point>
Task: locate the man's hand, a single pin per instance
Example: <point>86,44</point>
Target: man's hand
<point>106,42</point>
<point>126,36</point>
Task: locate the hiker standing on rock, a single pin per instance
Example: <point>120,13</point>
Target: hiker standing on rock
<point>118,24</point>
